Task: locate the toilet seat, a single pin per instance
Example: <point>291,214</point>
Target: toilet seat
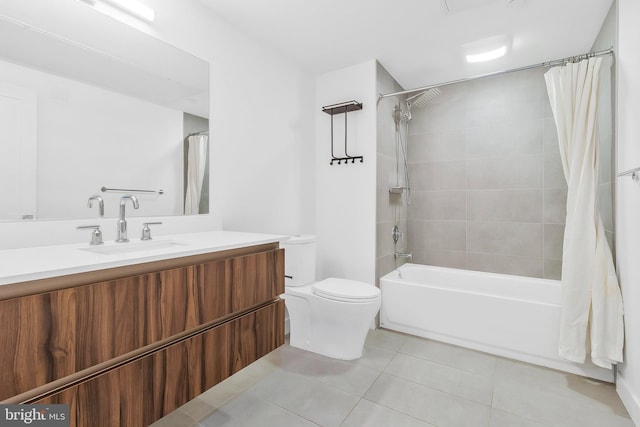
<point>346,290</point>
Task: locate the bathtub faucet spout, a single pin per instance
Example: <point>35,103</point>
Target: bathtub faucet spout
<point>397,255</point>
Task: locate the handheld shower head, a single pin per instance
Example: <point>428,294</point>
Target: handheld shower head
<point>400,115</point>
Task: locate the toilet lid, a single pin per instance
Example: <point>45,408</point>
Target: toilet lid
<point>346,290</point>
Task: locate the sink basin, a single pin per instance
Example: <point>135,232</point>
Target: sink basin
<point>127,248</point>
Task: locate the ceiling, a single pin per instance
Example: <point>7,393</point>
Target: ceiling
<point>420,42</point>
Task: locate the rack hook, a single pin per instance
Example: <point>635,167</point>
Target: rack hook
<point>342,108</point>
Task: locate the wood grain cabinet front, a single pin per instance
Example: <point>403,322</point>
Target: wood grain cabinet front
<point>50,336</point>
<point>143,391</point>
<point>257,278</point>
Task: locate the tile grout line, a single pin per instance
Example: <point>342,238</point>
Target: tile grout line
<point>439,390</point>
<point>350,411</point>
<point>396,352</point>
<point>442,364</point>
<point>269,402</point>
<point>507,411</point>
<point>400,412</point>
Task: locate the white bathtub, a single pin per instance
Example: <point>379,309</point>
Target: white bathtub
<point>512,316</point>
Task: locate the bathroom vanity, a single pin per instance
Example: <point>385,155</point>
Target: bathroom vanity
<point>125,338</point>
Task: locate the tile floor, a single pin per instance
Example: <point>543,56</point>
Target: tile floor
<point>401,381</point>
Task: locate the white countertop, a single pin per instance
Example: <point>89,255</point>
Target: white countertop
<point>25,264</point>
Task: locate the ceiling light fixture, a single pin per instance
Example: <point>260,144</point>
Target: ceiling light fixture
<point>488,55</point>
<point>131,7</point>
<point>135,8</point>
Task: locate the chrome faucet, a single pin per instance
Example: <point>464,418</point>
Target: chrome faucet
<point>100,204</point>
<point>396,234</point>
<point>397,255</point>
<point>122,223</point>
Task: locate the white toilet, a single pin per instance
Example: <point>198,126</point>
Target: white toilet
<point>330,317</point>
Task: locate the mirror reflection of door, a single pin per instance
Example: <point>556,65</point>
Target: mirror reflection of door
<point>18,157</point>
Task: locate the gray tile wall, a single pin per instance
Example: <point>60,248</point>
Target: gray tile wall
<point>607,38</point>
<point>391,209</point>
<point>488,189</point>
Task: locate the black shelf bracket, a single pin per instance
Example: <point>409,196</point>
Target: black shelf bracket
<point>342,108</point>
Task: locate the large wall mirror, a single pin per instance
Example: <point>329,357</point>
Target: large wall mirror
<point>112,111</point>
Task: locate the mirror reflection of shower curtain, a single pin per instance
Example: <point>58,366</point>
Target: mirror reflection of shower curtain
<point>196,164</point>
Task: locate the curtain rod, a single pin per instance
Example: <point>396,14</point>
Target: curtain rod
<point>202,132</point>
<point>497,73</point>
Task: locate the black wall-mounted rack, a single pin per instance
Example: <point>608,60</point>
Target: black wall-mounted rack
<point>342,108</point>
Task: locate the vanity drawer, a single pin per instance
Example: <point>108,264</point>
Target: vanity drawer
<point>57,334</point>
<point>144,390</point>
<point>257,278</point>
<point>120,316</point>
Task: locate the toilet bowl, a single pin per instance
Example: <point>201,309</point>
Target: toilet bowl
<point>330,317</point>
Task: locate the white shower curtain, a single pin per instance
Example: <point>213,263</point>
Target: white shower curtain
<point>196,163</point>
<point>591,304</point>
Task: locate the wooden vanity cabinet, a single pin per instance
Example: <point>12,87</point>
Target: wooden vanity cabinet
<point>158,338</point>
<point>143,391</point>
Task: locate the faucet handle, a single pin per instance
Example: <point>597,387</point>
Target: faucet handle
<point>146,231</point>
<point>396,234</point>
<point>96,235</point>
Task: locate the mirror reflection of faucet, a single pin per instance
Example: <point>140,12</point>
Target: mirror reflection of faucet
<point>100,201</point>
<point>122,223</point>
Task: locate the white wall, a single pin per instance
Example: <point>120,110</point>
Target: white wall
<point>628,199</point>
<point>346,194</point>
<point>262,139</point>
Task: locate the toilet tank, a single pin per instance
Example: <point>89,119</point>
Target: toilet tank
<point>299,260</point>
